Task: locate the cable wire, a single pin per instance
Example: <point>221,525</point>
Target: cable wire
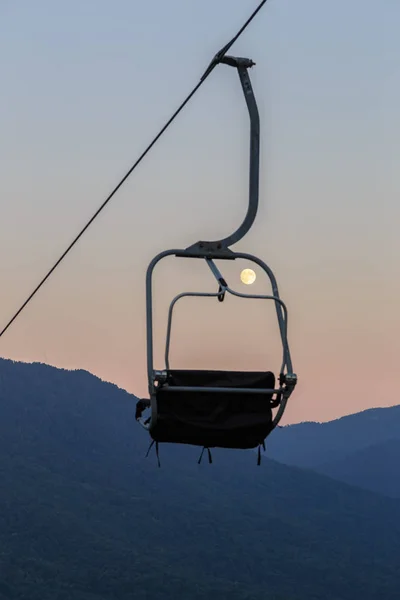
<point>208,71</point>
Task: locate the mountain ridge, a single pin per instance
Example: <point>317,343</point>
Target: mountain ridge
<point>310,444</point>
<point>374,468</point>
<point>84,515</point>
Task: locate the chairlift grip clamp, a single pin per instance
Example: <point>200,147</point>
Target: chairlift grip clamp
<point>237,62</point>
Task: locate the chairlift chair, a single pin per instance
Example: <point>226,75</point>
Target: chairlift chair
<point>210,408</point>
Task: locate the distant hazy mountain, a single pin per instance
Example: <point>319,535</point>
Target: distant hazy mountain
<point>84,516</point>
<point>374,468</point>
<point>315,444</point>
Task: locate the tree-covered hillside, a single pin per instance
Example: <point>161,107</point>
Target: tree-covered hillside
<point>84,516</point>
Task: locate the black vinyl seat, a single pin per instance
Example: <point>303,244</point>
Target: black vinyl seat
<point>212,419</point>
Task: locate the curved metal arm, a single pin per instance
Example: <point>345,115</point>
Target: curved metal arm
<point>170,313</point>
<point>214,295</point>
<point>242,64</point>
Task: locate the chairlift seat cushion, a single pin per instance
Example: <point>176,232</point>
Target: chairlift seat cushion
<point>214,419</point>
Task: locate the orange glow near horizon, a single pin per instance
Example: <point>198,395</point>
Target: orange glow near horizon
<point>327,222</point>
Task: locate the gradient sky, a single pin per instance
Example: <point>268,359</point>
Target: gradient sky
<point>86,84</point>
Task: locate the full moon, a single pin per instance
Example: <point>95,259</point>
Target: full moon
<point>248,276</point>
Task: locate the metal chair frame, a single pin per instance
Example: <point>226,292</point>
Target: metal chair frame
<point>220,250</point>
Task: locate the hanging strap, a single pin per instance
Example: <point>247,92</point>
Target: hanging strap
<point>157,453</point>
<point>209,455</point>
<point>259,453</point>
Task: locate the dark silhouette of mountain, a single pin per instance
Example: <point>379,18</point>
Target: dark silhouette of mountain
<point>83,516</point>
<point>374,468</point>
<point>312,445</point>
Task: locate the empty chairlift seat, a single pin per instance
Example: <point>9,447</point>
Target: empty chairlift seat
<point>222,409</point>
<point>225,409</point>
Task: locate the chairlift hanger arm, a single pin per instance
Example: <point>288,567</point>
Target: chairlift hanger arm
<point>213,248</point>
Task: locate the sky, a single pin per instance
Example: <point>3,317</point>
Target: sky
<point>86,84</point>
